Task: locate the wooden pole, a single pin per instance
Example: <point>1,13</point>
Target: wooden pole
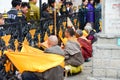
<point>55,18</point>
<point>40,3</point>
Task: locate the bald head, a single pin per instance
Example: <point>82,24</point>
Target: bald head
<point>52,41</point>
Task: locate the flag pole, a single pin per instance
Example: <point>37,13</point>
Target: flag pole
<point>55,18</point>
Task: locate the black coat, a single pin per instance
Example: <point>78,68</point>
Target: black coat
<point>45,14</point>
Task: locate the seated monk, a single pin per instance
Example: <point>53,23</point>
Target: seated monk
<point>91,33</point>
<point>86,46</point>
<point>56,73</point>
<point>53,46</point>
<point>73,55</point>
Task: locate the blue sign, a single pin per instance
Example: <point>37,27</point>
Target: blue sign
<point>118,41</point>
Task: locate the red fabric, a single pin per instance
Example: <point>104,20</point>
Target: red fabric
<point>86,48</point>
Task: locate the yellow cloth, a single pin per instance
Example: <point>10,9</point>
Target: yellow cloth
<point>6,38</point>
<point>64,40</point>
<point>34,62</point>
<point>32,32</point>
<point>0,53</point>
<point>73,69</point>
<point>45,45</point>
<point>85,34</point>
<point>32,59</point>
<point>29,49</point>
<point>25,41</point>
<point>46,36</point>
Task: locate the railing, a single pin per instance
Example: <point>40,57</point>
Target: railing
<point>38,31</point>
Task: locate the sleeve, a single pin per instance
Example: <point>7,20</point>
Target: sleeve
<point>38,13</point>
<point>67,55</point>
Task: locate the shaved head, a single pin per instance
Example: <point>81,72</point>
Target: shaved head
<point>52,41</point>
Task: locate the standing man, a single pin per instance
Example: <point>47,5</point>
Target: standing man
<point>12,18</point>
<point>12,14</point>
<point>35,10</point>
<point>82,14</point>
<point>24,8</point>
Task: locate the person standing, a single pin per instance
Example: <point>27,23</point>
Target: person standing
<point>14,18</point>
<point>82,14</point>
<point>24,9</point>
<point>12,14</point>
<point>35,10</point>
<point>45,11</point>
<point>90,12</point>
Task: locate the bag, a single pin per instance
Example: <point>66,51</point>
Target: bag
<point>92,36</point>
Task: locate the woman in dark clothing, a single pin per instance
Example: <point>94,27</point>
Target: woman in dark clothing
<point>82,14</point>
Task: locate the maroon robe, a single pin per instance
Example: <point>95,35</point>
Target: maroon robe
<point>86,48</point>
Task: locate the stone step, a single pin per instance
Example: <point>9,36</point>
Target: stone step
<point>108,39</point>
<point>92,78</point>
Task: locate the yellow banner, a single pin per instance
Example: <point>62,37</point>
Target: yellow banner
<point>31,59</point>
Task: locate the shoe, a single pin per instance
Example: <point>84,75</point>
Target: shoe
<point>87,60</point>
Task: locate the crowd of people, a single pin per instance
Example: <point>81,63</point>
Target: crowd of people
<point>90,12</point>
<point>77,49</point>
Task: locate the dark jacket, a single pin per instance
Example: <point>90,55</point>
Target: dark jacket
<point>12,16</point>
<point>73,55</point>
<point>45,14</point>
<point>82,16</point>
<point>17,28</point>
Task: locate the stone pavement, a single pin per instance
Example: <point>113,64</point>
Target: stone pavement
<point>87,72</point>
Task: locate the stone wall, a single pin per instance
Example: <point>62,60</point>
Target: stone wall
<point>106,57</point>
